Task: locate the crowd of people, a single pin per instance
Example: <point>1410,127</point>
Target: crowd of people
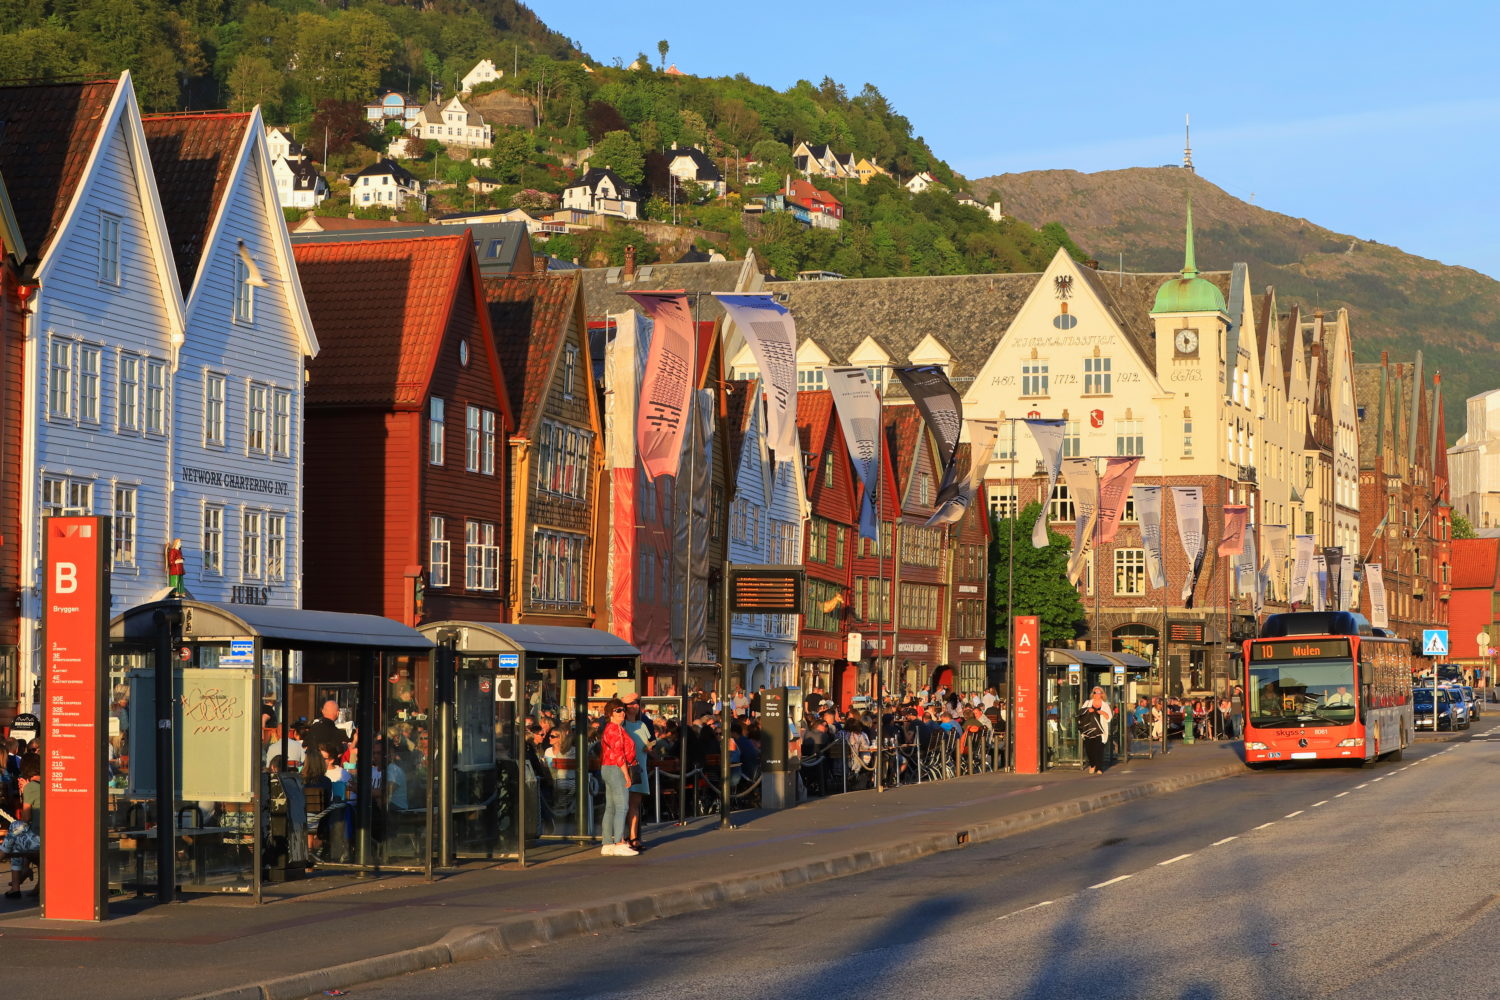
<point>21,806</point>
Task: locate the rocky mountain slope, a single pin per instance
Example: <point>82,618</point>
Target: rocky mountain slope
<point>1397,301</point>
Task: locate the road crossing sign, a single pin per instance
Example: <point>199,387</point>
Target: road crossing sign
<point>1434,642</point>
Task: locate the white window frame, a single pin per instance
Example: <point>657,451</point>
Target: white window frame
<point>65,496</point>
<point>123,533</point>
<point>481,556</point>
<point>487,442</point>
<point>436,431</point>
<point>471,438</point>
<point>276,546</point>
<point>215,408</point>
<point>570,370</point>
<point>109,249</point>
<point>252,543</point>
<point>244,292</point>
<point>257,418</point>
<point>90,372</point>
<point>62,357</point>
<point>438,555</point>
<point>154,390</point>
<point>281,423</point>
<point>128,396</point>
<point>1130,572</point>
<point>213,539</point>
<point>1098,376</point>
<point>1035,379</point>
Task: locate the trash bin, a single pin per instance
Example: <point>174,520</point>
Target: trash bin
<point>285,851</point>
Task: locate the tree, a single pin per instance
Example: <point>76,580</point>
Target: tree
<point>254,81</point>
<point>662,47</point>
<point>1461,526</point>
<point>739,123</point>
<point>343,122</point>
<point>513,148</point>
<point>1041,581</point>
<point>601,118</point>
<point>621,153</point>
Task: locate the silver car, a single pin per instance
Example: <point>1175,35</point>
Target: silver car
<point>1461,717</point>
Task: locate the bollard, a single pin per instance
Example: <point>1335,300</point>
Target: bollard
<point>1188,725</point>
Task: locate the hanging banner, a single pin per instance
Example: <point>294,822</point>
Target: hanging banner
<point>1333,562</point>
<point>1232,539</point>
<point>1188,503</point>
<point>982,437</point>
<point>624,364</point>
<point>1277,537</point>
<point>1252,572</point>
<point>1348,588</point>
<point>690,501</point>
<point>667,385</point>
<point>942,410</point>
<point>1048,435</point>
<point>1318,583</point>
<point>1083,487</point>
<point>1114,487</point>
<point>858,406</point>
<point>1301,566</point>
<point>1375,575</point>
<point>767,327</point>
<point>1148,510</point>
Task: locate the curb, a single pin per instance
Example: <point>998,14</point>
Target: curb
<point>484,941</point>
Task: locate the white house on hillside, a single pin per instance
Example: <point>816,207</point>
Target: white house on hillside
<point>921,183</point>
<point>602,191</point>
<point>693,165</point>
<point>384,182</point>
<point>453,124</point>
<point>483,72</point>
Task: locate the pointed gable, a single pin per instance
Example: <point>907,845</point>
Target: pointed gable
<point>193,157</point>
<point>381,309</point>
<point>49,135</point>
<point>530,315</point>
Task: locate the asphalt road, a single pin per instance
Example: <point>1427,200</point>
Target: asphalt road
<point>1290,883</point>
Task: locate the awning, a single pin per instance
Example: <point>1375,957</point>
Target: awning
<point>289,628</point>
<point>543,640</point>
<point>1090,658</point>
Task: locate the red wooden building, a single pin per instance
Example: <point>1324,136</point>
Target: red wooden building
<point>14,291</point>
<point>407,423</point>
<point>828,549</point>
<point>1472,609</point>
<point>921,657</point>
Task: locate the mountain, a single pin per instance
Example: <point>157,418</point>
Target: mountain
<point>1397,301</point>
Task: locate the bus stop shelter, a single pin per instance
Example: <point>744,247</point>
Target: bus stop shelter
<point>1068,676</point>
<point>501,791</point>
<point>232,802</point>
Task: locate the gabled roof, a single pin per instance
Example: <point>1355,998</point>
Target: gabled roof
<point>305,176</point>
<point>815,417</point>
<point>47,134</point>
<point>529,314</point>
<point>604,288</point>
<point>432,112</point>
<point>594,175</point>
<point>1476,563</point>
<point>396,171</point>
<point>1369,390</point>
<point>705,168</point>
<point>740,398</point>
<point>381,309</point>
<point>903,427</point>
<point>801,190</point>
<point>193,157</point>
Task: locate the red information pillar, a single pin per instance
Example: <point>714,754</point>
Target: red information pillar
<point>1028,720</point>
<point>75,636</point>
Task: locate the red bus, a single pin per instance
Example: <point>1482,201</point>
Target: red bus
<point>1324,685</point>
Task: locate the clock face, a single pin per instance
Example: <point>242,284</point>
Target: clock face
<point>1186,341</point>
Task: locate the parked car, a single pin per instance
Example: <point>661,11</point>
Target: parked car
<point>1422,704</point>
<point>1461,717</point>
<point>1472,697</point>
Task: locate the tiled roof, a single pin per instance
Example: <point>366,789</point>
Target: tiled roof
<point>47,132</point>
<point>1369,412</point>
<point>529,314</point>
<point>594,175</point>
<point>740,397</point>
<point>604,288</point>
<point>1475,563</point>
<point>903,425</point>
<point>814,424</point>
<point>193,157</point>
<point>380,309</point>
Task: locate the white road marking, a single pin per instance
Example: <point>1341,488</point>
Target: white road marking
<point>1027,909</point>
<point>1357,787</point>
<point>1316,804</point>
<point>1381,778</point>
<point>1117,878</point>
<point>1226,840</point>
<point>1299,812</point>
<point>1169,861</point>
<point>1341,795</point>
<point>1264,825</point>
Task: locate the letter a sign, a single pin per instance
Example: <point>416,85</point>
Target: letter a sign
<point>1027,724</point>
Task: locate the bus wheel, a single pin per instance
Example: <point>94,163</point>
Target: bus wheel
<point>1395,755</point>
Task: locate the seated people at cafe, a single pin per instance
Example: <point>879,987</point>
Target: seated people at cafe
<point>324,729</point>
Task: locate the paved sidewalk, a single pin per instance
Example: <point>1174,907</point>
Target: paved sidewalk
<point>344,930</point>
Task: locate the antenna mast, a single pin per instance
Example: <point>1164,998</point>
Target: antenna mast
<point>1187,149</point>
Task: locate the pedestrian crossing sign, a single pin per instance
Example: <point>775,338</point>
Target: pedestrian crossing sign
<point>1434,642</point>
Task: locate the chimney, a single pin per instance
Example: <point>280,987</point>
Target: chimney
<point>629,261</point>
<point>539,263</point>
<point>1385,357</point>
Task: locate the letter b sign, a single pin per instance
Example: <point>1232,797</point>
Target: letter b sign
<point>66,578</point>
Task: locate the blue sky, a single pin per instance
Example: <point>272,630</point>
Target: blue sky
<point>1375,119</point>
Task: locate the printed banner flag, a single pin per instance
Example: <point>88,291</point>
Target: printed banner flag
<point>943,412</point>
<point>1375,574</point>
<point>1348,592</point>
<point>982,437</point>
<point>1333,562</point>
<point>767,327</point>
<point>1252,572</point>
<point>1114,487</point>
<point>624,363</point>
<point>1319,583</point>
<point>1188,503</point>
<point>1049,439</point>
<point>668,383</point>
<point>858,406</point>
<point>1083,486</point>
<point>1148,510</point>
<point>1232,540</point>
<point>1301,566</point>
<point>1277,537</point>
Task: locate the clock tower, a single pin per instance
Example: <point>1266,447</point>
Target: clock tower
<point>1192,323</point>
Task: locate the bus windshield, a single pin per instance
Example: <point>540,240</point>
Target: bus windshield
<point>1296,693</point>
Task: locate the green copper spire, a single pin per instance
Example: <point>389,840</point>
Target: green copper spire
<point>1189,293</point>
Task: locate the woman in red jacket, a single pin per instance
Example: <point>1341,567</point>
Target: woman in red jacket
<point>618,765</point>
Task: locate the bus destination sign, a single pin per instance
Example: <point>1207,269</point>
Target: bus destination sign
<point>765,590</point>
<point>1300,649</point>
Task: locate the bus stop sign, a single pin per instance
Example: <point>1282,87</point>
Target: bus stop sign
<point>1434,642</point>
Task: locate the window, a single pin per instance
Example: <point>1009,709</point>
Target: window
<point>1072,440</point>
<point>876,375</point>
<point>563,461</point>
<point>214,389</point>
<point>109,249</point>
<point>1060,508</point>
<point>919,606</point>
<point>1187,437</point>
<point>69,497</point>
<point>213,539</point>
<point>809,378</point>
<point>156,397</point>
<point>1130,437</point>
<point>257,422</point>
<point>559,565</point>
<point>251,540</point>
<point>828,469</point>
<point>244,292</point>
<point>60,388</point>
<point>1096,376</point>
<point>276,547</point>
<point>435,431</point>
<point>481,556</point>
<point>90,361</point>
<point>1130,571</point>
<point>570,370</point>
<point>437,552</point>
<point>281,426</point>
<point>1034,378</point>
<point>124,526</point>
<point>487,442</point>
<point>471,439</point>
